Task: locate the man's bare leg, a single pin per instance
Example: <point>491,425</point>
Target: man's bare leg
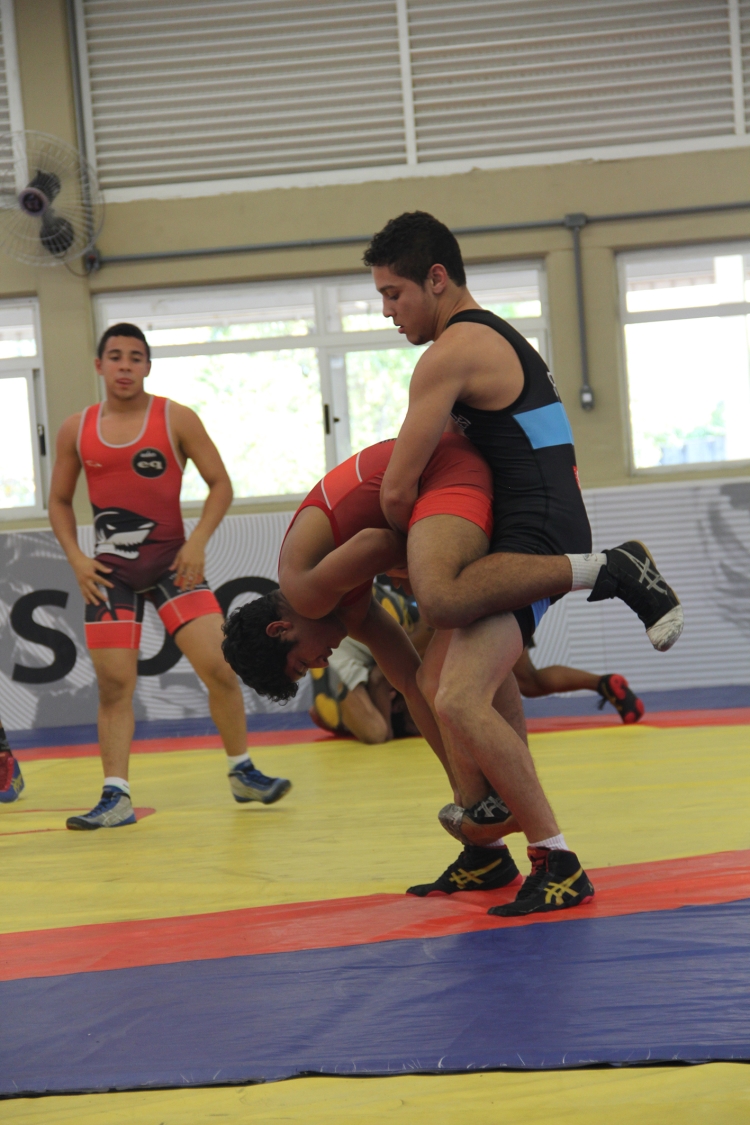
<point>200,641</point>
<point>479,660</point>
<point>534,682</point>
<point>116,673</point>
<point>366,710</point>
<point>455,581</point>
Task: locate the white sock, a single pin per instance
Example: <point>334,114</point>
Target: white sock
<point>500,843</point>
<point>118,783</point>
<point>237,760</point>
<point>554,843</point>
<point>586,569</point>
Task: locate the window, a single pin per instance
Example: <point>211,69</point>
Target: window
<point>23,460</point>
<point>687,316</point>
<point>290,378</point>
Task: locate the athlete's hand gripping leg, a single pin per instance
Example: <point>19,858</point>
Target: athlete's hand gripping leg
<point>116,673</point>
<point>477,664</point>
<point>200,641</point>
<point>456,582</point>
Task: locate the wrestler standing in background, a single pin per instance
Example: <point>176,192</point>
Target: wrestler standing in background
<point>133,448</point>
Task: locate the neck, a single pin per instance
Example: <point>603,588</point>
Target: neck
<point>135,405</point>
<point>457,301</point>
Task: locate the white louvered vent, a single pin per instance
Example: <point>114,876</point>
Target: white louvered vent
<point>497,76</point>
<point>185,90</point>
<point>5,125</point>
<point>744,21</point>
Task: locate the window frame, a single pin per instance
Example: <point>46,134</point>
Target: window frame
<point>699,312</point>
<point>32,369</point>
<point>330,346</point>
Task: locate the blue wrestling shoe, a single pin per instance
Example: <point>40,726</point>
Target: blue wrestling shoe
<point>249,784</point>
<point>113,811</point>
<point>11,779</point>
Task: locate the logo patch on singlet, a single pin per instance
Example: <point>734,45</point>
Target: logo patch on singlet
<point>462,423</point>
<point>120,532</point>
<point>149,462</point>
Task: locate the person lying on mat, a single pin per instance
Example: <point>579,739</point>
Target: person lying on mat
<point>337,542</point>
<point>536,682</point>
<point>352,696</point>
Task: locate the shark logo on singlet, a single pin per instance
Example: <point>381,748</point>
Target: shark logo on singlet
<point>120,532</point>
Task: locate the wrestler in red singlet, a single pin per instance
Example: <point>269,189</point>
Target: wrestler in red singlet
<point>135,495</point>
<point>456,482</point>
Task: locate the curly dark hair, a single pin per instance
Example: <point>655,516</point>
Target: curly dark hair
<point>414,242</point>
<point>259,660</point>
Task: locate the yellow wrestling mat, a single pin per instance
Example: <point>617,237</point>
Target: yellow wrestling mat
<point>362,820</point>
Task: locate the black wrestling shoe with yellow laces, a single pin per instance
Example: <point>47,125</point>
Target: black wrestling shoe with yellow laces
<point>557,882</point>
<point>631,574</point>
<point>476,869</point>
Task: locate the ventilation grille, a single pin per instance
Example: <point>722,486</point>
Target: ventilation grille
<point>187,90</point>
<point>744,12</point>
<point>495,76</point>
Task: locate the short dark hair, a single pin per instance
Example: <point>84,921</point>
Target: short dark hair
<point>259,660</point>
<point>122,330</point>
<point>414,242</point>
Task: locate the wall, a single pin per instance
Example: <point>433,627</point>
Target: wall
<point>475,198</point>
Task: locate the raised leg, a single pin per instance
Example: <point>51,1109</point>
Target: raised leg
<point>456,582</point>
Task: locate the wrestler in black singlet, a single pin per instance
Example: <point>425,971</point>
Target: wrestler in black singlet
<point>538,507</point>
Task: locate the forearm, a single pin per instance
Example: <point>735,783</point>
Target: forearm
<point>214,509</point>
<point>318,591</point>
<point>397,506</point>
<point>63,521</point>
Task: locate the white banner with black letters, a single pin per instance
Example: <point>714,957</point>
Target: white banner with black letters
<point>699,533</point>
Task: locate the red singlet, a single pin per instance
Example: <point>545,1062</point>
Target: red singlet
<point>457,481</point>
<point>135,494</point>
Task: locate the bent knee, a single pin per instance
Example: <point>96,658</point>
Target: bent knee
<point>439,609</point>
<point>452,706</point>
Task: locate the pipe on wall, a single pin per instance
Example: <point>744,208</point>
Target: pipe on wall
<point>574,222</point>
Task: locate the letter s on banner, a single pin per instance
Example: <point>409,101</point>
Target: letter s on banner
<point>22,621</point>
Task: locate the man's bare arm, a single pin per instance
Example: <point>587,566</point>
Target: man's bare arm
<point>434,388</point>
<point>191,439</point>
<point>316,591</point>
<point>89,573</point>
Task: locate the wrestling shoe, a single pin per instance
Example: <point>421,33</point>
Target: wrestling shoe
<point>249,784</point>
<point>476,869</point>
<point>557,882</point>
<point>11,779</point>
<point>616,690</point>
<point>630,574</point>
<point>480,825</point>
<point>113,811</point>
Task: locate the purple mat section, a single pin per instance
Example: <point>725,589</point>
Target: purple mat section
<point>683,699</point>
<point>657,987</point>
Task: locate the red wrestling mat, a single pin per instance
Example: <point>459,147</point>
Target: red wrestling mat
<point>720,717</point>
<point>633,889</point>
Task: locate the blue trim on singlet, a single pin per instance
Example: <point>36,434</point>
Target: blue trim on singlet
<point>548,425</point>
<point>539,609</point>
